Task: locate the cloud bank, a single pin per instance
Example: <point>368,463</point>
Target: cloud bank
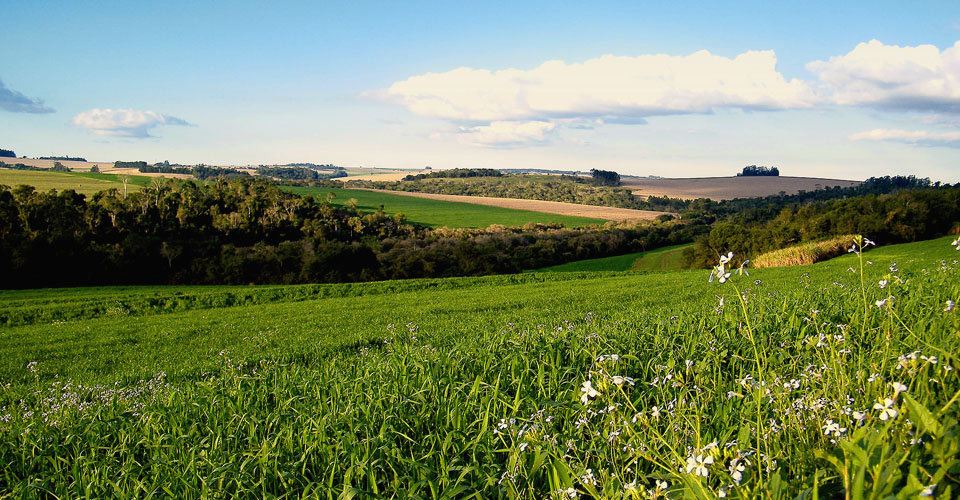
<point>514,108</point>
<point>15,102</point>
<point>123,122</point>
<point>895,78</point>
<point>915,137</point>
<point>512,104</point>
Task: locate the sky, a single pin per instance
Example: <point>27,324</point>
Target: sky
<point>842,90</point>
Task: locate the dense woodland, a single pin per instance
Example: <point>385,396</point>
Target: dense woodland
<point>249,231</point>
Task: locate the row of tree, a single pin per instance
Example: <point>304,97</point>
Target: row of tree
<point>455,173</point>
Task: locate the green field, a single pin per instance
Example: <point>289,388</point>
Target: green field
<point>661,259</point>
<point>437,213</point>
<point>82,182</point>
<point>784,384</point>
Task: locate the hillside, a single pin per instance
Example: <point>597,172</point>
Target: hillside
<point>504,386</point>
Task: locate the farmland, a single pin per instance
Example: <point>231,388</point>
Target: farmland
<point>83,183</point>
<point>791,381</point>
<point>726,188</point>
<point>439,213</point>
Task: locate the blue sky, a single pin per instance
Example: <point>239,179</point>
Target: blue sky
<point>377,84</point>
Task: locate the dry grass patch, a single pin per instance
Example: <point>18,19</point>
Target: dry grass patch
<point>806,253</point>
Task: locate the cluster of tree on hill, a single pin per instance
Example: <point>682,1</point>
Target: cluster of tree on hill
<point>62,158</point>
<point>249,231</point>
<point>754,171</point>
<point>605,177</point>
<point>297,173</point>
<point>6,153</point>
<point>455,173</point>
<point>904,215</point>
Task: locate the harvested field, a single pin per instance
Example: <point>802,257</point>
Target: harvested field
<point>551,207</point>
<point>725,188</point>
<point>377,175</point>
<point>106,167</point>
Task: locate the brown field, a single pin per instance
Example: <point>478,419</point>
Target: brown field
<point>550,207</point>
<point>106,167</point>
<point>370,174</point>
<point>725,188</point>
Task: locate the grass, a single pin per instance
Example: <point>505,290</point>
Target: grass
<point>85,183</point>
<point>437,213</point>
<point>661,259</point>
<point>45,181</point>
<point>806,253</point>
<point>549,385</point>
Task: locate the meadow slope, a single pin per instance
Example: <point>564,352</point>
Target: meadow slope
<point>791,382</point>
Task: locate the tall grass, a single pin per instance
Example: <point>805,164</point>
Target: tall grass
<point>781,385</point>
<point>805,253</point>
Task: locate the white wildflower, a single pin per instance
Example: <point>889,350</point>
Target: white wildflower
<point>950,305</point>
<point>883,284</point>
<point>898,388</point>
<point>589,393</point>
<point>697,465</point>
<point>887,411</point>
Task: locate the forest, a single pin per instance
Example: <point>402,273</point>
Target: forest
<point>246,230</point>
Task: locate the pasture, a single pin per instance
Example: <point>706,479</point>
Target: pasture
<point>440,213</point>
<point>835,379</point>
<point>83,183</point>
<point>661,259</point>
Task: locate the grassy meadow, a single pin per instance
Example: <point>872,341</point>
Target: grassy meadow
<point>661,259</point>
<point>832,380</point>
<point>437,213</point>
<point>82,182</point>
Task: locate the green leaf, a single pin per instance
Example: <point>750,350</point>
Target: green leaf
<point>920,415</point>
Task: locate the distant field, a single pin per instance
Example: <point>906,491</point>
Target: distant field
<point>661,259</point>
<point>437,213</point>
<point>556,207</point>
<point>83,183</point>
<point>375,174</point>
<point>725,188</point>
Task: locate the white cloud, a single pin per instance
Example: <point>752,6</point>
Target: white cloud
<point>507,134</point>
<point>916,137</point>
<point>920,78</point>
<point>609,88</point>
<point>15,102</point>
<point>123,122</point>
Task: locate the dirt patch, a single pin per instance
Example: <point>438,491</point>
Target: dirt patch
<point>725,188</point>
<point>550,207</point>
<point>386,176</point>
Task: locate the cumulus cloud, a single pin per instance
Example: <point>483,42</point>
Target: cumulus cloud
<point>915,137</point>
<point>610,89</point>
<point>507,134</point>
<point>608,86</point>
<point>15,102</point>
<point>921,78</point>
<point>123,122</point>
